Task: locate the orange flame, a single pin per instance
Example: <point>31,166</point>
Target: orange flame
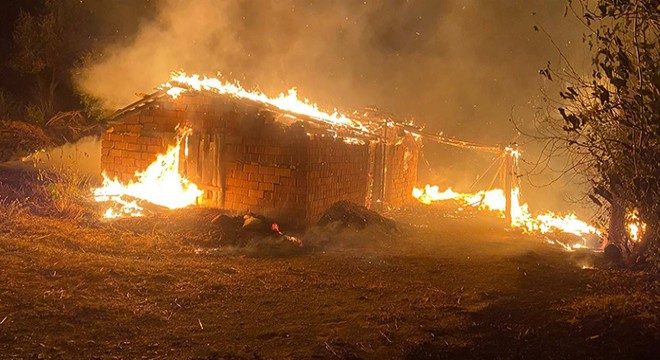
<point>288,101</point>
<point>494,200</point>
<point>160,184</point>
<point>636,227</point>
<point>489,200</point>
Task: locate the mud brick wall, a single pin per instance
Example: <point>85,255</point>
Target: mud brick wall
<point>266,172</point>
<point>335,171</point>
<point>134,143</point>
<point>283,173</point>
<point>401,172</point>
<point>124,150</point>
<point>275,170</point>
<point>243,159</point>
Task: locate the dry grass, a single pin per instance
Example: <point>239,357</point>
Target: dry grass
<point>73,285</point>
<point>11,211</point>
<point>627,294</point>
<point>60,193</point>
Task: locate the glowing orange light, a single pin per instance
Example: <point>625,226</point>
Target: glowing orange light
<point>289,101</point>
<point>495,200</point>
<point>160,183</point>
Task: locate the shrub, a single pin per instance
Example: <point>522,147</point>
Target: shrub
<point>35,114</point>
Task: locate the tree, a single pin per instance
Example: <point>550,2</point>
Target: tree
<point>53,38</point>
<point>43,49</point>
<point>609,121</point>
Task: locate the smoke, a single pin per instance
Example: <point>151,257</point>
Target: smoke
<point>83,157</point>
<point>464,67</point>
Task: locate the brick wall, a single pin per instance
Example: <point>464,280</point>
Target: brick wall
<point>124,151</point>
<point>335,171</point>
<point>401,171</point>
<point>266,171</point>
<point>134,143</point>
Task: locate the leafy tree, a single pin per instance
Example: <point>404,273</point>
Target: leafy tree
<point>609,121</point>
<point>43,49</point>
<point>53,38</point>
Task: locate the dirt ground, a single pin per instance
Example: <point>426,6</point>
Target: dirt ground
<point>167,287</point>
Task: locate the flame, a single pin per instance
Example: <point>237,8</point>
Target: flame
<point>552,222</point>
<point>160,184</point>
<point>432,193</point>
<point>635,226</point>
<point>494,200</point>
<point>288,102</point>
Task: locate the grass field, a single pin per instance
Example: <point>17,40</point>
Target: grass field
<point>166,286</point>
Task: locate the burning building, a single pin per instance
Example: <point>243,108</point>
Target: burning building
<point>247,154</point>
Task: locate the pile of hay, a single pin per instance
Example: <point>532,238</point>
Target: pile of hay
<point>345,214</point>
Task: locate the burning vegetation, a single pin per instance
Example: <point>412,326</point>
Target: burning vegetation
<point>495,201</point>
<point>506,202</point>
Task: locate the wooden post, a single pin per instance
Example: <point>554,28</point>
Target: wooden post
<point>384,174</point>
<point>502,169</point>
<point>508,169</point>
<point>371,181</point>
<point>222,170</point>
<point>380,173</point>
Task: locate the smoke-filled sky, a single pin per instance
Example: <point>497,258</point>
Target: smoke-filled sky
<point>464,67</point>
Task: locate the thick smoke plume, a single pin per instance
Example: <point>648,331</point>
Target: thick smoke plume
<point>464,67</point>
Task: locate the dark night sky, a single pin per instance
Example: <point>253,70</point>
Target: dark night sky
<point>464,67</point>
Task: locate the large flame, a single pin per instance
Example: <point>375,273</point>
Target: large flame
<point>548,222</point>
<point>159,184</point>
<point>489,200</point>
<point>180,82</point>
<point>495,200</point>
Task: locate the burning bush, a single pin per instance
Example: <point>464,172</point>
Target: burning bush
<point>609,121</point>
